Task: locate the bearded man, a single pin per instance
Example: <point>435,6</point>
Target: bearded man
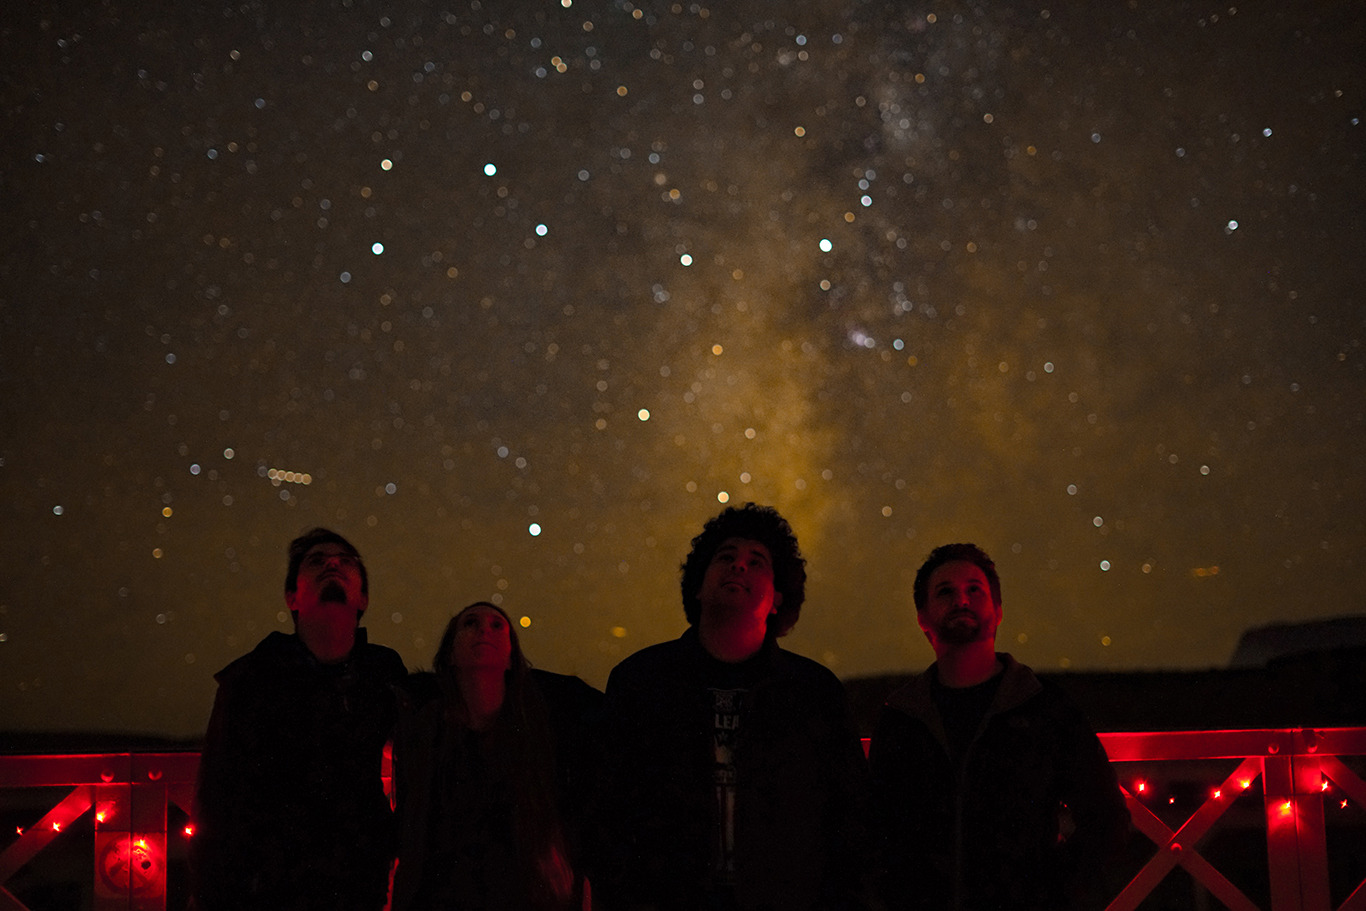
<point>992,790</point>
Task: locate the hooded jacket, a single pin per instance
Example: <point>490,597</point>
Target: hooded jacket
<point>290,809</point>
<point>1025,821</point>
<point>801,840</point>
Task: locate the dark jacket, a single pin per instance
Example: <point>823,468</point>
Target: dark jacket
<point>436,762</point>
<point>986,835</point>
<point>290,810</point>
<point>801,839</point>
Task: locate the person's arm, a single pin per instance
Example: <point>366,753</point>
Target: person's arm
<point>215,790</point>
<point>889,760</point>
<point>608,842</point>
<point>1098,813</point>
<point>852,845</point>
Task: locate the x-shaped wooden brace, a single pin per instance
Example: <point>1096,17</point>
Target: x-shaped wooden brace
<point>1336,771</point>
<point>1179,847</point>
<point>37,837</point>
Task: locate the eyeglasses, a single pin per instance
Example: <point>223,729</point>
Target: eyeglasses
<point>317,560</point>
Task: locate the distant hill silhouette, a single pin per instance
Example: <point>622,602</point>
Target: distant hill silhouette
<point>1262,645</point>
<point>1313,675</point>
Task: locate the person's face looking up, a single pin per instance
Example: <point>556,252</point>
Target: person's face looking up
<point>959,609</point>
<point>739,580</point>
<point>329,580</point>
<point>482,639</point>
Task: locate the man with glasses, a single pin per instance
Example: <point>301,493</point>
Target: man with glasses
<point>290,810</point>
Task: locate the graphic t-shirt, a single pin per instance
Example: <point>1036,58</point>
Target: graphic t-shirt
<point>730,687</point>
<point>726,706</point>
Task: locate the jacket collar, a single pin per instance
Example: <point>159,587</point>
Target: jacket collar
<point>286,649</point>
<point>1018,684</point>
<point>767,658</point>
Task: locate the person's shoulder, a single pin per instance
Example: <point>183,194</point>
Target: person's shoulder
<point>806,669</point>
<point>566,683</point>
<point>275,650</point>
<point>422,688</point>
<point>1045,696</point>
<point>653,661</point>
<point>912,698</point>
<point>384,659</point>
<point>565,690</point>
<point>661,652</point>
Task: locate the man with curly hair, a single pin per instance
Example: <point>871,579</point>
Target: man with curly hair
<point>733,774</point>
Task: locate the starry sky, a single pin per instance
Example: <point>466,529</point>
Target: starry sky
<point>516,295</point>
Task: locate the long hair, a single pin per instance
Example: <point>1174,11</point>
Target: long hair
<point>520,738</point>
<point>515,678</point>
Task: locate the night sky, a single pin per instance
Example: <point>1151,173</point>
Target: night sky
<point>516,295</point>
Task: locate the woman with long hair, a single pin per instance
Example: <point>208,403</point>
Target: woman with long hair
<point>481,803</point>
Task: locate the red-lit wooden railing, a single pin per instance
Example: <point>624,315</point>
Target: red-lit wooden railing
<point>128,794</point>
<point>1296,770</point>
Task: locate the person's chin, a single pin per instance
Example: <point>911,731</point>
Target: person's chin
<point>961,632</point>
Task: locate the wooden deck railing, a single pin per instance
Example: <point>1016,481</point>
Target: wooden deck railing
<point>1299,772</point>
<point>127,795</point>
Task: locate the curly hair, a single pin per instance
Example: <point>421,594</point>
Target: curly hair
<point>949,553</point>
<point>754,523</point>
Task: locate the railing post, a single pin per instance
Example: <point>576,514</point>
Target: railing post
<point>1282,855</point>
<point>1311,839</point>
<point>1296,843</point>
<point>130,839</point>
<point>113,830</point>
